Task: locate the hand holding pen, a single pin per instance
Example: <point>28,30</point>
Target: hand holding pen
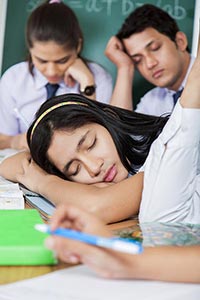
<point>87,230</point>
<point>114,243</point>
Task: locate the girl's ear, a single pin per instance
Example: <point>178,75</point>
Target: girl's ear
<point>181,41</point>
<point>80,44</point>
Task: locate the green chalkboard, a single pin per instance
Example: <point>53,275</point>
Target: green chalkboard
<point>99,20</point>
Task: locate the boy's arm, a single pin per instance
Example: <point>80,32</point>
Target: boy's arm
<point>122,93</point>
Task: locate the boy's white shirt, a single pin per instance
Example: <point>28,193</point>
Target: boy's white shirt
<point>171,190</point>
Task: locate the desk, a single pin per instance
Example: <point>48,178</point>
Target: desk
<point>10,274</point>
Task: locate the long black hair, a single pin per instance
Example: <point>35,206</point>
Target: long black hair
<point>133,133</point>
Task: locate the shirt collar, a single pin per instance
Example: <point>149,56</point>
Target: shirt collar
<point>41,81</point>
<point>192,59</point>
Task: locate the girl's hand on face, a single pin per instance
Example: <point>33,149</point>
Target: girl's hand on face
<point>115,52</point>
<point>78,72</point>
<point>106,263</point>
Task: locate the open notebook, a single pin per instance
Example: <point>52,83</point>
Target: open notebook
<point>79,283</point>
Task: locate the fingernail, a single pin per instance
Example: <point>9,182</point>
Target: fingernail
<point>73,259</point>
<point>49,243</point>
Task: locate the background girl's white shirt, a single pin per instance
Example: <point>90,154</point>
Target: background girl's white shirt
<point>171,171</point>
<point>19,89</point>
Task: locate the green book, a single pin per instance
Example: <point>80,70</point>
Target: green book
<point>20,242</point>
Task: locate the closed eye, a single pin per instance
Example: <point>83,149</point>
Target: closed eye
<point>63,60</point>
<point>136,59</point>
<point>93,144</point>
<point>155,48</point>
<point>76,171</point>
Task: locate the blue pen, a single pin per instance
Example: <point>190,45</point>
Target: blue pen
<point>118,244</point>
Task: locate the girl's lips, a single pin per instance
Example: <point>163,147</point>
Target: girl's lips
<point>53,80</point>
<point>111,173</point>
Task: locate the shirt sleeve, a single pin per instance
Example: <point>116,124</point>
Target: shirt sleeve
<point>8,122</point>
<point>143,106</point>
<point>171,171</point>
<point>103,81</point>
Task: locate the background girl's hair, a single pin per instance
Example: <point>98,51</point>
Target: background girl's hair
<point>132,133</point>
<point>53,22</point>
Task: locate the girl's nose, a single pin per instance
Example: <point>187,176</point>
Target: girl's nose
<point>51,69</point>
<point>93,165</point>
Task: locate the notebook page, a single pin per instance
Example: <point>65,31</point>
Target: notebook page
<point>79,283</point>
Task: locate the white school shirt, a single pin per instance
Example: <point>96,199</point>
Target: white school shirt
<point>171,190</point>
<point>159,101</point>
<point>19,89</point>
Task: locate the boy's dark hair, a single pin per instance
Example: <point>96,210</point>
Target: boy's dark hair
<point>149,16</point>
<point>53,22</point>
<point>132,133</point>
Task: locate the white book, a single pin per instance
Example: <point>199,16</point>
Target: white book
<point>11,197</point>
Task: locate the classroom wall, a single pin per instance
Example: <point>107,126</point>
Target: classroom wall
<point>99,19</point>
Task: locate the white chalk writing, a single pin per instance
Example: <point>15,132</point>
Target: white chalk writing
<point>174,8</point>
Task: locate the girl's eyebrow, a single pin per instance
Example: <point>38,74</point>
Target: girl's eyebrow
<point>80,143</point>
<point>55,61</point>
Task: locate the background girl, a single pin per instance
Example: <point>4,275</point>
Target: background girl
<point>54,66</point>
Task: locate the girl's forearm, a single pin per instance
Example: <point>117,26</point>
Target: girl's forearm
<point>169,263</point>
<point>112,203</point>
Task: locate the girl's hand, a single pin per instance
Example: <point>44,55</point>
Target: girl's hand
<point>79,72</point>
<point>107,263</point>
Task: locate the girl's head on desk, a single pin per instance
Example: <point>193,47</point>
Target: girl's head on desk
<point>54,39</point>
<point>90,142</point>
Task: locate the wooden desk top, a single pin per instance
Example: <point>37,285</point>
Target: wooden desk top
<point>10,274</point>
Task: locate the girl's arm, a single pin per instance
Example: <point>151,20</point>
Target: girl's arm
<point>13,165</point>
<point>111,203</point>
<point>79,72</point>
<point>13,141</point>
<point>190,97</point>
